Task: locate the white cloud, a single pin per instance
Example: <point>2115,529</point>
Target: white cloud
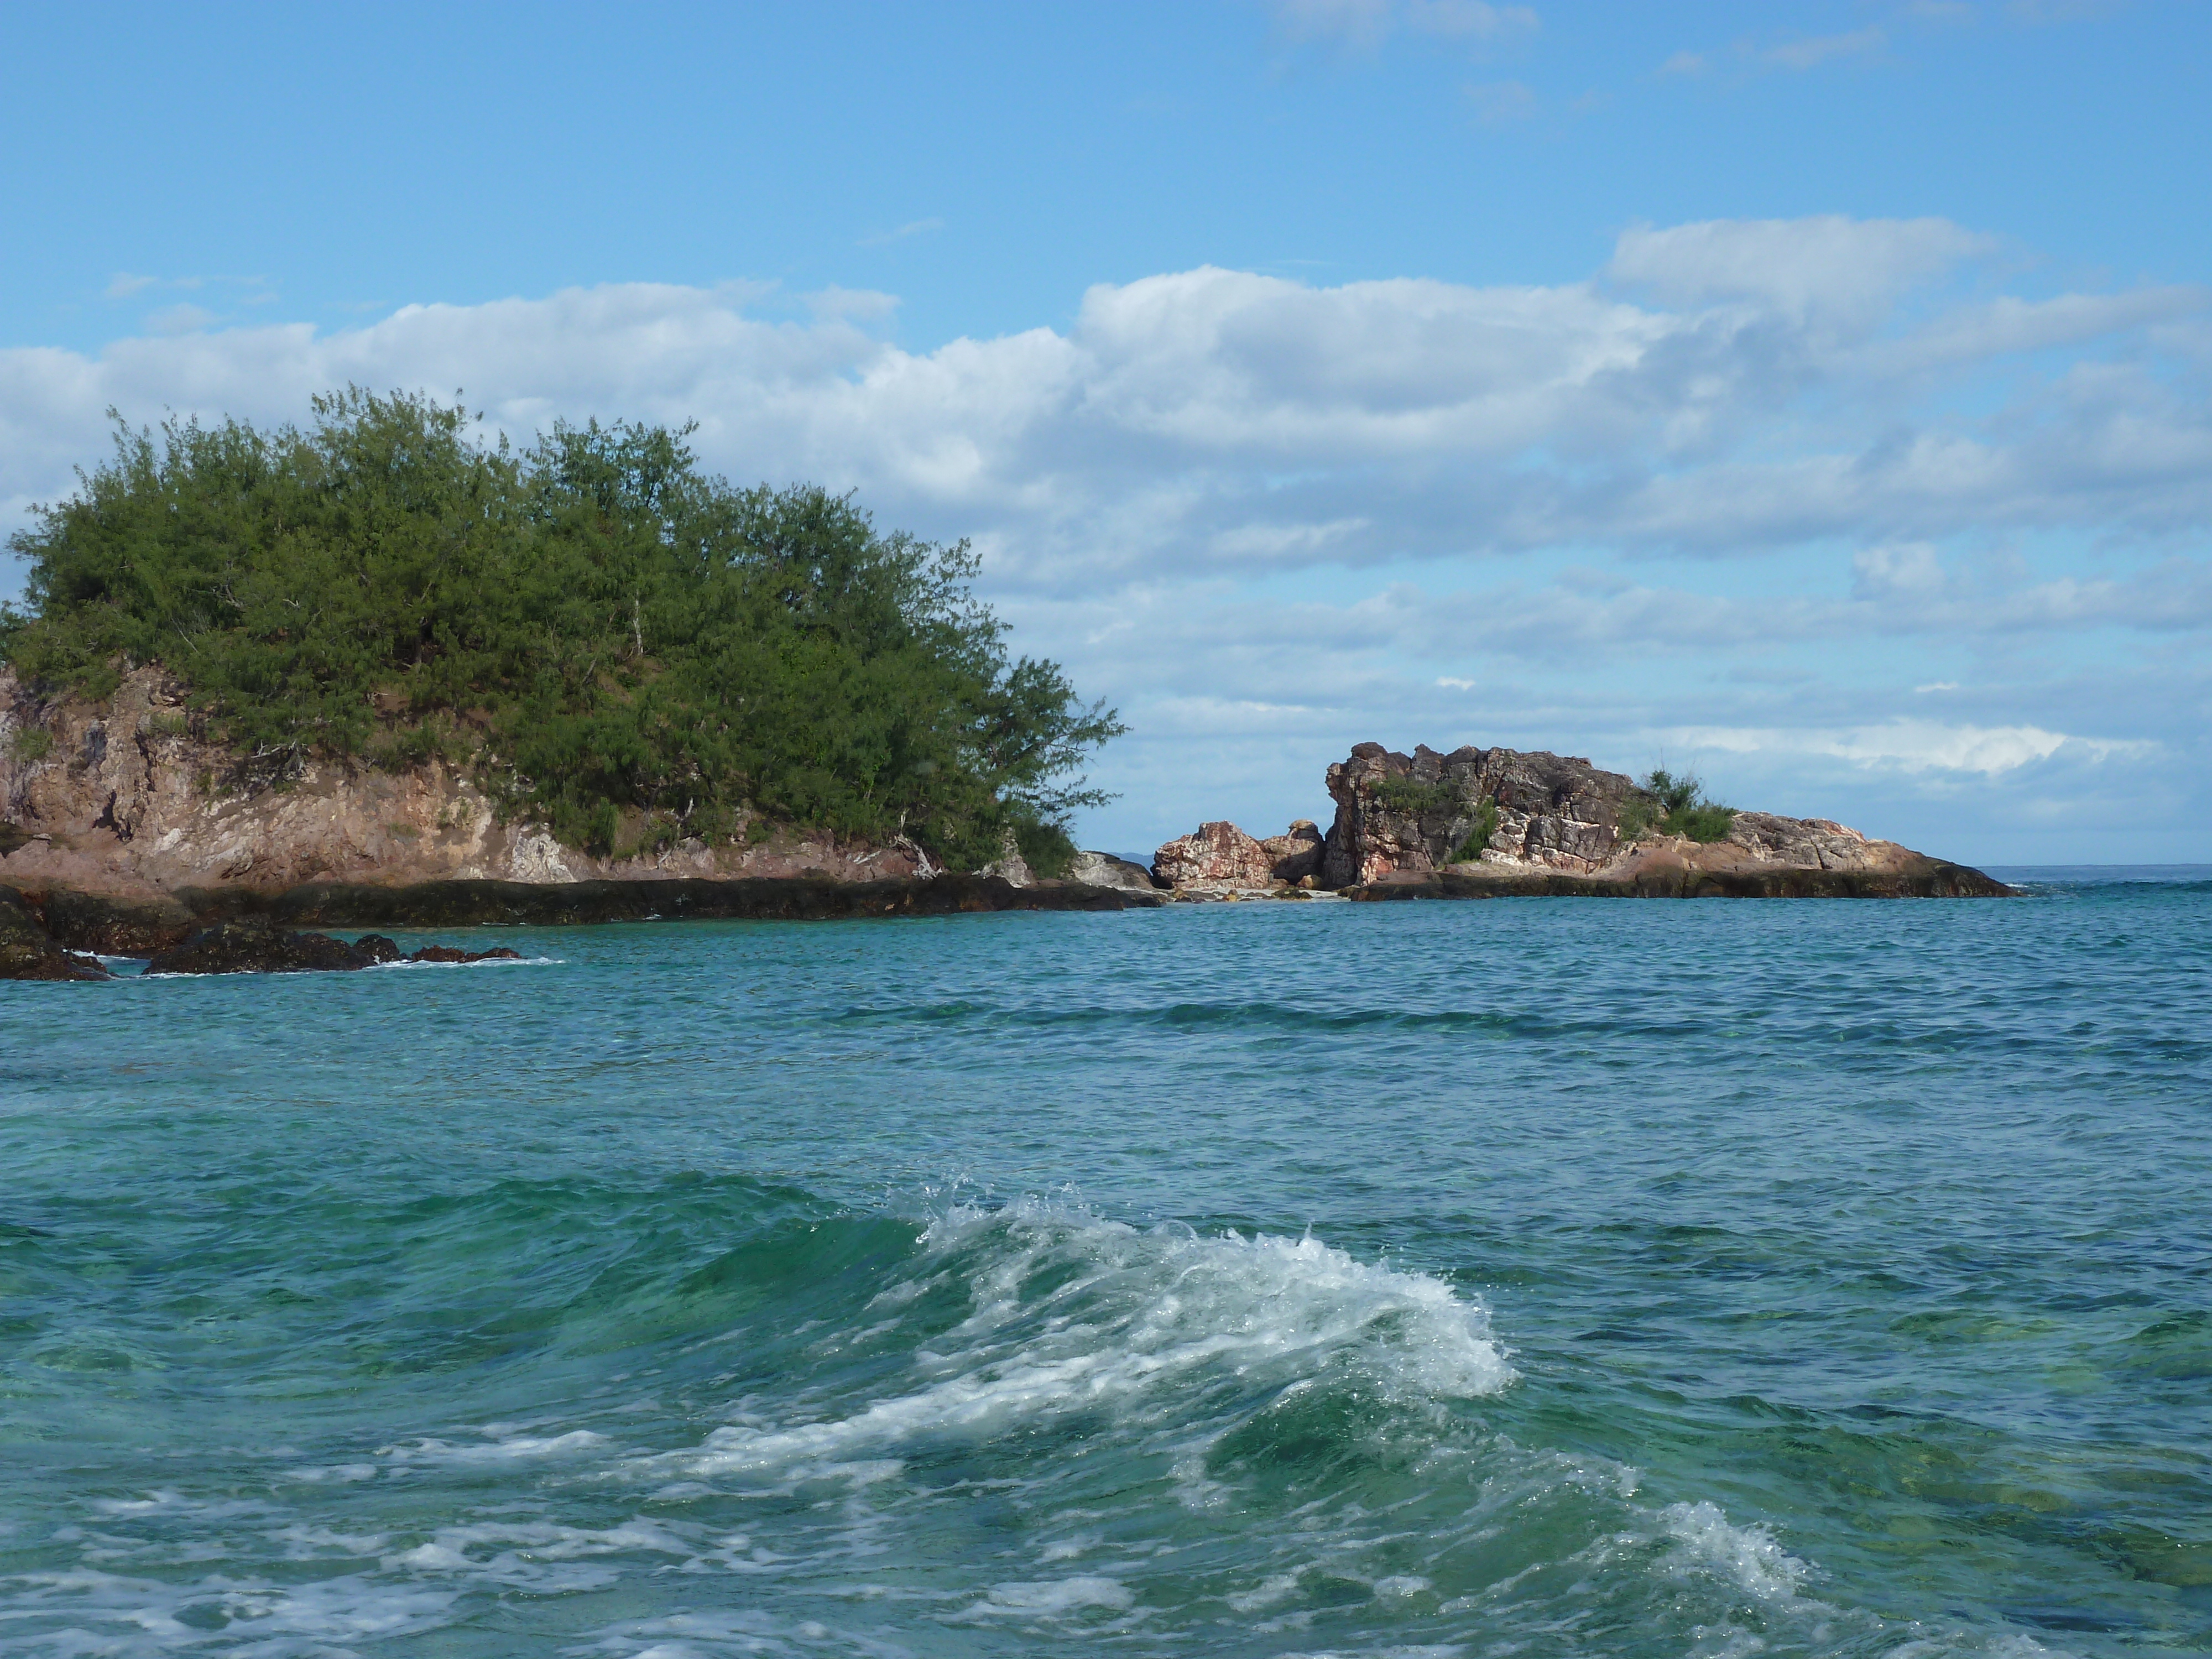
<point>1215,418</point>
<point>1828,267</point>
<point>1685,63</point>
<point>1369,22</point>
<point>1498,102</point>
<point>832,302</point>
<point>913,227</point>
<point>1916,746</point>
<point>1814,50</point>
<point>1824,402</point>
<point>180,319</point>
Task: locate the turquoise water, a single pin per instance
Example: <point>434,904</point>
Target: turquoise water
<point>1536,1277</point>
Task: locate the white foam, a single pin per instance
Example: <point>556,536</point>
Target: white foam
<point>116,1615</point>
<point>1131,1312</point>
<point>494,962</point>
<point>1747,1555</point>
<point>1055,1596</point>
<point>505,1450</point>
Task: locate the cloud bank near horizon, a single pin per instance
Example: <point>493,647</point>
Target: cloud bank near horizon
<point>1738,493</point>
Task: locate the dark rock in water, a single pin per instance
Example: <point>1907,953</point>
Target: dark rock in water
<point>170,926</point>
<point>253,946</point>
<point>447,953</point>
<point>114,924</point>
<point>1931,878</point>
<point>27,952</point>
<point>571,903</point>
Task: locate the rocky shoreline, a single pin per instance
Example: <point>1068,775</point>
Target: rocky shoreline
<point>124,832</point>
<point>59,933</point>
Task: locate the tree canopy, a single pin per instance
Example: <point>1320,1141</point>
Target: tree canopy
<point>618,642</point>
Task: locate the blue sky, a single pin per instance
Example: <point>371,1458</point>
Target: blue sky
<point>1812,394</point>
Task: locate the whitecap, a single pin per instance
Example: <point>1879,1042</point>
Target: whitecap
<point>1131,1313</point>
<point>1748,1555</point>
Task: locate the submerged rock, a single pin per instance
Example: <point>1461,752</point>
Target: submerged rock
<point>253,946</point>
<point>447,953</point>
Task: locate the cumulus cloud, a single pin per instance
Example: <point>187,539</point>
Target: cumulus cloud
<point>1699,394</point>
<point>1828,267</point>
<point>1914,746</point>
<point>1849,408</point>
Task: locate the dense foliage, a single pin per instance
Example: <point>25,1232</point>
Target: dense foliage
<point>619,643</point>
<point>1414,798</point>
<point>1676,805</point>
<point>1479,834</point>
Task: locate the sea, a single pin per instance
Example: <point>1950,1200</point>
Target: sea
<point>1531,1276</point>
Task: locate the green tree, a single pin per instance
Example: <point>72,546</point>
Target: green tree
<point>614,640</point>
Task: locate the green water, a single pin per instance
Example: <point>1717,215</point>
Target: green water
<point>1530,1277</point>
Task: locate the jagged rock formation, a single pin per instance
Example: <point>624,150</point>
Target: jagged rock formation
<point>1214,855</point>
<point>1219,857</point>
<point>131,795</point>
<point>1398,813</point>
<point>1497,820</point>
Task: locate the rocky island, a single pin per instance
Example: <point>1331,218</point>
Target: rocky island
<point>116,840</point>
<point>379,674</point>
<point>1488,822</point>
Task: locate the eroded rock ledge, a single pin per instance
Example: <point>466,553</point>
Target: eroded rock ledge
<point>1487,823</point>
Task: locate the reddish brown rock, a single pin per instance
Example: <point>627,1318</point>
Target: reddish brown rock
<point>1495,820</point>
<point>132,795</point>
<point>1297,853</point>
<point>1215,855</point>
<point>1219,857</point>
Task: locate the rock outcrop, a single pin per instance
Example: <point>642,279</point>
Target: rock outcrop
<point>1296,854</point>
<point>1486,821</point>
<point>131,795</point>
<point>26,951</point>
<point>1216,855</point>
<point>1219,857</point>
<point>1412,813</point>
<point>1104,870</point>
<point>253,946</point>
